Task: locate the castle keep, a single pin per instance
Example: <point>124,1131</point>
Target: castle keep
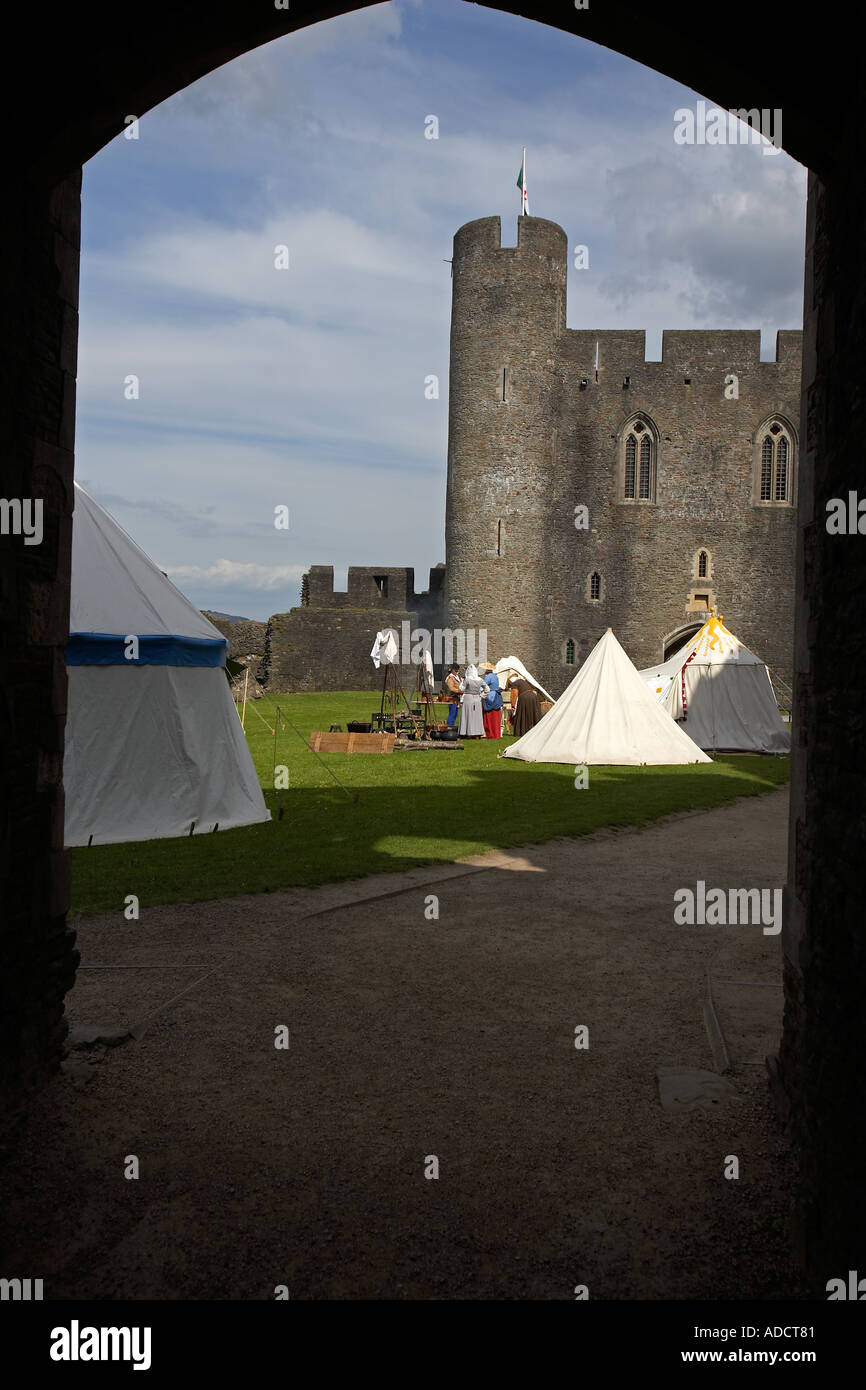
<point>587,488</point>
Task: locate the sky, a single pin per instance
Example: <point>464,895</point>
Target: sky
<point>304,387</point>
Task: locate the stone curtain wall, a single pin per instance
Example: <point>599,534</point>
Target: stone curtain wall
<point>315,649</point>
<point>39,255</point>
<point>246,637</point>
<point>325,644</point>
<point>645,553</point>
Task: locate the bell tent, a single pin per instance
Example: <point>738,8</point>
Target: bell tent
<point>154,746</point>
<point>607,716</point>
<point>720,694</point>
<point>512,666</point>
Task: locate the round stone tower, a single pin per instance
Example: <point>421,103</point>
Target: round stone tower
<point>508,309</point>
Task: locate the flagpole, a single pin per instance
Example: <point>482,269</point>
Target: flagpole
<point>521,184</point>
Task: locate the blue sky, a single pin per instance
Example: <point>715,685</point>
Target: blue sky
<point>305,387</point>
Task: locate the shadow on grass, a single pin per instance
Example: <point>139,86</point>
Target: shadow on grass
<point>412,809</point>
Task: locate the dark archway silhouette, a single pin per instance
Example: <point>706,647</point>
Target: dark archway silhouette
<point>85,68</point>
<point>677,639</point>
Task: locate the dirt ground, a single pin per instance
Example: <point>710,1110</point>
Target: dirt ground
<point>412,1036</point>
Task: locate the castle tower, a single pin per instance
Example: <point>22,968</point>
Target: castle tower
<point>508,310</point>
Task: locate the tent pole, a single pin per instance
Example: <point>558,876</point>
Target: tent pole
<point>244,710</point>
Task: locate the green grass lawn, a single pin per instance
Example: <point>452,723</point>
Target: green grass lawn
<point>412,808</point>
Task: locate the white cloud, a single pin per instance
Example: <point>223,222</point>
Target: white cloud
<point>328,252</point>
<point>254,85</point>
<point>236,574</point>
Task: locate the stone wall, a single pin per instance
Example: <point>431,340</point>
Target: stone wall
<point>39,255</point>
<point>325,644</point>
<point>246,637</point>
<point>707,458</point>
<point>824,942</point>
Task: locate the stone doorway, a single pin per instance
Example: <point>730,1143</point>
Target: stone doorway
<point>678,638</point>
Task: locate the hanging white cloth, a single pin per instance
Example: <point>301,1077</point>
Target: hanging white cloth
<point>384,649</point>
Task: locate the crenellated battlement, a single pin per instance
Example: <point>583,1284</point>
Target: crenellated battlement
<point>690,350</point>
<point>536,236</point>
<point>369,587</point>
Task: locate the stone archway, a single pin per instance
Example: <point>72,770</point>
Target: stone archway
<point>678,638</point>
<point>85,73</point>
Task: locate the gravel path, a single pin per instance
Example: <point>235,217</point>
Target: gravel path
<point>411,1037</point>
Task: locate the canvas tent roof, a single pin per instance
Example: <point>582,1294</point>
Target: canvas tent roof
<point>512,666</point>
<point>720,692</point>
<point>113,581</point>
<point>153,740</point>
<point>607,716</point>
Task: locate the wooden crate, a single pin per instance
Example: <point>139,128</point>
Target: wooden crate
<point>351,743</point>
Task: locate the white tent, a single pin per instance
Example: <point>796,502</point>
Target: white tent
<point>606,716</point>
<point>512,666</point>
<point>720,693</point>
<point>153,740</point>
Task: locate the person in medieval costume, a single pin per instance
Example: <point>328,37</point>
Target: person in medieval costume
<point>528,711</point>
<point>473,691</point>
<point>452,691</point>
<point>491,711</point>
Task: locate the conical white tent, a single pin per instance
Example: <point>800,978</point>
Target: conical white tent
<point>154,745</point>
<point>512,666</point>
<point>720,693</point>
<point>607,716</point>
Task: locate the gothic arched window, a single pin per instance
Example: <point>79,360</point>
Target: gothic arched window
<point>638,462</point>
<point>774,462</point>
<point>569,652</point>
<point>703,565</point>
<point>595,586</point>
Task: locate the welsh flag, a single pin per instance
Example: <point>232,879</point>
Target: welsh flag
<point>521,184</point>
